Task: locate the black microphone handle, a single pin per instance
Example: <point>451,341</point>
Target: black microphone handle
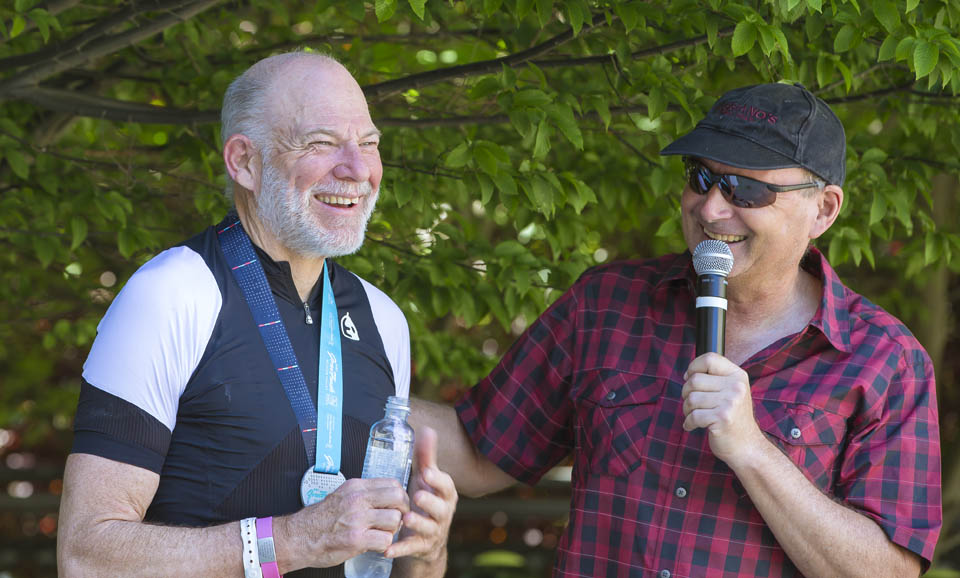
<point>711,320</point>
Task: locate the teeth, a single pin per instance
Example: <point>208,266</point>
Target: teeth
<point>338,200</point>
<point>724,238</point>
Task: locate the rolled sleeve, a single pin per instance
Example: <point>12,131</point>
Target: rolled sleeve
<point>520,416</point>
<point>891,471</point>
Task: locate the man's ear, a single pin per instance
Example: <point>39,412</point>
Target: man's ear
<point>828,209</point>
<point>242,161</point>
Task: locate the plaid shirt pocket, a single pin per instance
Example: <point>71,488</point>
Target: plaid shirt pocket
<point>813,438</point>
<point>614,418</point>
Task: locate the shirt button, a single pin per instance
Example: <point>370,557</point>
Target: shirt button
<point>681,492</point>
<point>611,396</point>
<point>795,433</point>
<point>664,573</point>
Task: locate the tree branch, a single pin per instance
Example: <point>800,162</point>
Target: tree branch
<point>81,104</point>
<point>384,89</point>
<point>175,12</point>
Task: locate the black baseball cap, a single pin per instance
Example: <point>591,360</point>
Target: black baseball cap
<point>769,126</point>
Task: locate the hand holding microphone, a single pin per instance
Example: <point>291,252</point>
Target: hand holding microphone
<point>716,392</point>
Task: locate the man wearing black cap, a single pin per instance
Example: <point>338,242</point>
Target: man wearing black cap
<point>809,449</point>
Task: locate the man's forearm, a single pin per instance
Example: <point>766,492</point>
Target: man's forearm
<point>473,474</point>
<point>820,536</point>
<point>126,548</point>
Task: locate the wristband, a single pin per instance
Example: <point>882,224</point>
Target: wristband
<point>265,548</point>
<point>251,556</point>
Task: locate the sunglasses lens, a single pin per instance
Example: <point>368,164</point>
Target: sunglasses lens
<point>748,193</point>
<point>741,191</point>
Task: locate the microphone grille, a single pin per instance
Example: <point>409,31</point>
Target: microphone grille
<point>712,257</point>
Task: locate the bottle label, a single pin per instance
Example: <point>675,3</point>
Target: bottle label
<point>387,463</point>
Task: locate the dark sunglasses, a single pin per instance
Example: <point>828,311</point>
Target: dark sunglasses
<point>737,189</point>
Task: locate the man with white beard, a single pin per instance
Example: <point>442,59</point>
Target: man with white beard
<point>199,400</point>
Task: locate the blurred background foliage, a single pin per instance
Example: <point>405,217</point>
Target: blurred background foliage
<point>520,147</point>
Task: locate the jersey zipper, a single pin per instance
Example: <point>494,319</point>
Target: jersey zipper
<point>306,311</point>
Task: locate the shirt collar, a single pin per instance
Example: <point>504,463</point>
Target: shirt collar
<point>832,317</point>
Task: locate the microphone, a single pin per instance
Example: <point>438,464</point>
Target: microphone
<point>713,261</point>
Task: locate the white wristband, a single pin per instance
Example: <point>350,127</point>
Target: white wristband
<point>251,556</point>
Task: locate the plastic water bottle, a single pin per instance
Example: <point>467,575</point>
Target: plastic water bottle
<point>389,455</point>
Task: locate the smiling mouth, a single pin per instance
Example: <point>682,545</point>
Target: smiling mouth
<point>724,238</point>
<point>338,201</point>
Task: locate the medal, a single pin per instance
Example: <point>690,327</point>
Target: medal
<point>314,486</point>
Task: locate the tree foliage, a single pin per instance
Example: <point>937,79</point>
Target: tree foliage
<point>521,143</point>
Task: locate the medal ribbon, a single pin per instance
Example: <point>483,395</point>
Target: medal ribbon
<point>321,431</point>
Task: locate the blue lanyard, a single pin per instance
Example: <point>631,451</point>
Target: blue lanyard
<point>324,427</point>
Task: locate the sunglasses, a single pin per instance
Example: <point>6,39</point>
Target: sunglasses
<point>737,189</point>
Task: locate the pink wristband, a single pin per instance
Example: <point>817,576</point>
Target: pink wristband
<point>268,553</point>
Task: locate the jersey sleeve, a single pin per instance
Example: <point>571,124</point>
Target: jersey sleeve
<point>395,333</point>
<point>148,344</point>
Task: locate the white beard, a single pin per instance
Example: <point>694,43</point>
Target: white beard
<point>287,215</point>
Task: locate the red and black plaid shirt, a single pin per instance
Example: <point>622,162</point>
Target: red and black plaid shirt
<point>851,400</point>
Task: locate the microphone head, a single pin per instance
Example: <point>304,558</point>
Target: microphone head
<point>712,257</point>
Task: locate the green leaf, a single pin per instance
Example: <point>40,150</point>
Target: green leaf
<point>576,15</point>
<point>744,37</point>
<point>509,249</point>
<point>542,144</point>
<point>873,155</point>
<point>508,77</point>
<point>486,188</point>
<point>562,116</point>
<point>490,7</point>
<point>585,195</point>
<point>18,162</point>
<point>847,75</point>
<point>887,14</point>
<point>385,9</point>
<point>459,156</point>
<point>815,5</point>
<point>418,7</point>
<point>825,69</point>
<point>544,11</point>
<point>42,19</point>
<point>656,102</point>
<point>531,97</point>
<point>628,14</point>
<point>19,24</point>
<point>888,49</point>
<point>925,57</point>
<point>713,28</point>
<point>912,5</point>
<point>45,248</point>
<point>485,158</point>
<point>845,38</point>
<point>78,230</point>
<point>767,41</point>
<point>905,48</point>
<point>505,182</point>
<point>603,111</point>
<point>878,208</point>
<point>668,228</point>
<point>813,26</point>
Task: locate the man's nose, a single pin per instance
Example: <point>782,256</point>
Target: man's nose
<point>352,165</point>
<point>714,206</point>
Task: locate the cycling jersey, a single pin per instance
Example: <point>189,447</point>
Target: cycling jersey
<point>178,381</point>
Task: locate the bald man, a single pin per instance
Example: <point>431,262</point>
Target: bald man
<point>198,434</point>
